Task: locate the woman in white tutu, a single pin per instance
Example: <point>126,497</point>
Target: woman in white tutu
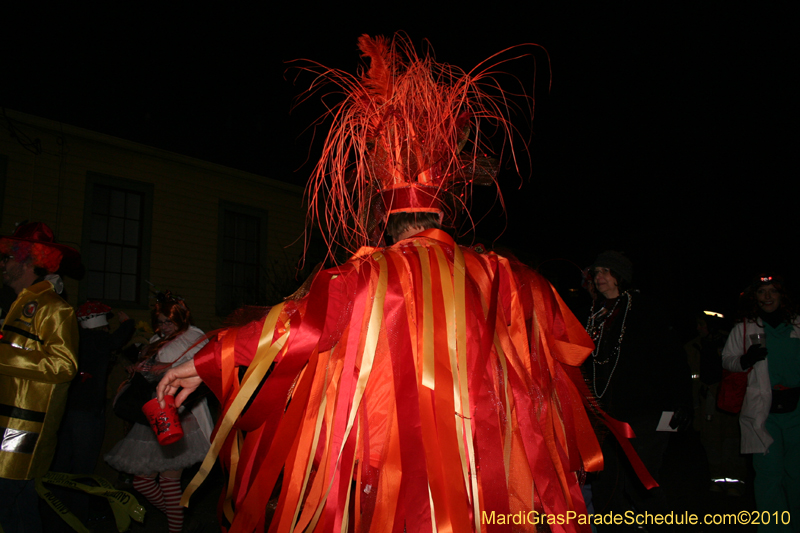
<point>157,469</point>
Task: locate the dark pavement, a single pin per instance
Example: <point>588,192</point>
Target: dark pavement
<point>686,481</point>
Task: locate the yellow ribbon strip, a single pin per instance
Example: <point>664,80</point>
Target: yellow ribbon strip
<point>459,276</point>
<point>314,443</point>
<point>452,308</point>
<point>265,355</point>
<point>367,359</point>
<point>336,364</point>
<point>428,355</point>
<point>236,447</point>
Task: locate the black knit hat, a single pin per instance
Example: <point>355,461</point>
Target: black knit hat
<point>617,262</point>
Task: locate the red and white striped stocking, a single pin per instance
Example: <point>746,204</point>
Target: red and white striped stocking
<point>147,487</point>
<point>171,488</point>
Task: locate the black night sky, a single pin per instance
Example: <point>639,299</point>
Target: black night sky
<point>669,131</point>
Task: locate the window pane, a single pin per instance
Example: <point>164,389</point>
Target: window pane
<point>236,297</point>
<point>227,249</point>
<point>250,276</point>
<point>117,203</point>
<point>95,285</point>
<point>238,254</point>
<point>111,290</point>
<point>252,229</point>
<point>100,197</point>
<point>128,291</point>
<point>99,230</point>
<point>116,229</point>
<point>97,256</point>
<point>113,259</point>
<point>116,240</point>
<point>134,206</point>
<point>251,254</point>
<point>130,260</point>
<point>132,232</point>
<point>230,224</point>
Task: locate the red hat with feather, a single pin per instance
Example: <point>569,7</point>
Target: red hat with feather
<point>406,138</point>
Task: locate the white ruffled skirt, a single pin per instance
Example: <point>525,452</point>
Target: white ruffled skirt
<point>139,452</point>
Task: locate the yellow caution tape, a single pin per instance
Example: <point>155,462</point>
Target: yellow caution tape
<point>123,504</point>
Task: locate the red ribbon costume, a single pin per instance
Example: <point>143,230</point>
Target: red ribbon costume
<point>424,386</point>
<point>421,387</point>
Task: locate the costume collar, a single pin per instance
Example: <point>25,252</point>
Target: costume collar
<point>434,234</point>
<point>774,319</point>
<point>37,288</point>
<point>437,235</point>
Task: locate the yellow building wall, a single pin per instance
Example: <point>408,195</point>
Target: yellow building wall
<point>50,186</point>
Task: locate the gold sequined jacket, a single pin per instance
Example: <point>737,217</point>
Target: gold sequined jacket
<point>38,358</point>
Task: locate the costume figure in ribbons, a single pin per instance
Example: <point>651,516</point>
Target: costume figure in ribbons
<point>38,351</point>
<point>423,386</point>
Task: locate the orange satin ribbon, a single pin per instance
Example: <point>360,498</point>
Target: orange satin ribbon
<point>339,426</point>
<point>265,354</point>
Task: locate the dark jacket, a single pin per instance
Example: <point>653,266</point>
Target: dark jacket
<point>650,375</point>
<point>88,390</point>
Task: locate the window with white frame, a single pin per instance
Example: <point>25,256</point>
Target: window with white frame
<point>117,219</point>
<point>241,251</point>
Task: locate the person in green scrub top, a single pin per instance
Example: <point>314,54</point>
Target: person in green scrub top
<point>766,343</point>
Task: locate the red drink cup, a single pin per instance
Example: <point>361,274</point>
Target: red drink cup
<point>165,422</point>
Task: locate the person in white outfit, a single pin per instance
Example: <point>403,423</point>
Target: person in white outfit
<point>766,343</point>
<point>157,468</point>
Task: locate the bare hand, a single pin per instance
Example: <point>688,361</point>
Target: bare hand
<point>182,377</point>
<point>123,317</point>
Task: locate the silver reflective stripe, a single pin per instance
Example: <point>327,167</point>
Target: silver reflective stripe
<point>18,441</point>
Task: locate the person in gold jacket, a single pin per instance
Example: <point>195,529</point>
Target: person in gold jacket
<point>37,362</point>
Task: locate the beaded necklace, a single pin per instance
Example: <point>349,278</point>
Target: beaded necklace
<point>596,331</point>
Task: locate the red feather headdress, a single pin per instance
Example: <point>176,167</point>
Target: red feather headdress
<point>407,136</point>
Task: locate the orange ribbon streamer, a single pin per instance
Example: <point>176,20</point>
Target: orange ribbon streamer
<point>442,392</point>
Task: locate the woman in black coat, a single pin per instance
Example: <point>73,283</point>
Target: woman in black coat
<point>637,372</point>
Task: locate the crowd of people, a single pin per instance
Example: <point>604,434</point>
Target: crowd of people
<point>54,368</point>
<point>419,386</point>
<point>635,372</point>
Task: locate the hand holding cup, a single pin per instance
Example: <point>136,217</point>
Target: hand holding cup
<point>165,421</point>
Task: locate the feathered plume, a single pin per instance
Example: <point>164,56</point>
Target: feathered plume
<point>409,134</point>
<point>379,78</point>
